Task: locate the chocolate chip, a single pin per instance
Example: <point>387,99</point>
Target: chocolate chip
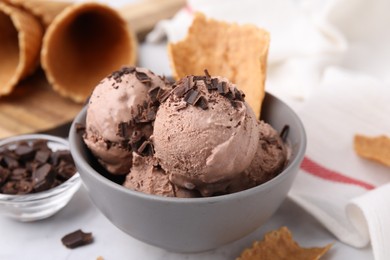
<point>76,239</point>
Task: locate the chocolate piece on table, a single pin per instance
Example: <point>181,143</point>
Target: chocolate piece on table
<point>76,239</point>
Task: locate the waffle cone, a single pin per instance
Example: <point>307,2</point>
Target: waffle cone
<point>237,52</point>
<point>21,39</point>
<point>82,45</point>
<point>44,10</point>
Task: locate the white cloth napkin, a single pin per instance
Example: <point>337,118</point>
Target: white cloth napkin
<point>347,194</point>
<point>330,61</point>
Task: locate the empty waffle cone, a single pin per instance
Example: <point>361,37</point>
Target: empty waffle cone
<point>44,10</point>
<point>82,45</point>
<point>20,42</point>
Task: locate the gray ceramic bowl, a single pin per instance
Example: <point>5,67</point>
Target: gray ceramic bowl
<point>195,224</point>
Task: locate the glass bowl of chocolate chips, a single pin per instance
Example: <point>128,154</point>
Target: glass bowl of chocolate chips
<point>37,176</point>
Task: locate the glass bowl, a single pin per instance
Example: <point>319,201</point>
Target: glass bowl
<point>40,205</point>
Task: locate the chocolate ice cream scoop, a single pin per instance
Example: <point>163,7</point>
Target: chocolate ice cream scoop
<point>205,134</point>
<point>120,115</point>
<point>269,160</point>
<point>148,177</point>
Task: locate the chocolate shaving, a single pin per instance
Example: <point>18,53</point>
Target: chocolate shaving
<point>76,239</point>
<point>117,75</point>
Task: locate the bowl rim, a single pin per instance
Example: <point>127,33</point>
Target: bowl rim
<point>74,134</point>
<point>46,194</point>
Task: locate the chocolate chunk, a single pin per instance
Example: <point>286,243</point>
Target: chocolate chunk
<point>206,72</point>
<point>238,95</point>
<point>43,177</point>
<point>19,174</point>
<point>10,162</point>
<point>196,78</point>
<point>65,170</point>
<point>123,129</point>
<point>184,87</point>
<point>59,155</point>
<point>222,88</point>
<point>146,148</point>
<point>40,144</point>
<point>143,77</point>
<point>76,239</point>
<point>192,96</point>
<point>117,75</point>
<point>42,156</point>
<point>10,187</point>
<point>24,151</point>
<point>214,84</point>
<point>284,132</point>
<point>24,187</point>
<point>153,94</point>
<point>4,173</point>
<point>202,103</point>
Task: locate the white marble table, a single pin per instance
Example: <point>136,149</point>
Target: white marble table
<point>42,239</point>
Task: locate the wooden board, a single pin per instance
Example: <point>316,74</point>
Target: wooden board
<point>33,105</point>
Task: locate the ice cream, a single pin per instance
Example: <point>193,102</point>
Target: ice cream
<point>119,119</point>
<point>148,177</point>
<point>270,159</point>
<point>205,134</point>
<point>195,138</point>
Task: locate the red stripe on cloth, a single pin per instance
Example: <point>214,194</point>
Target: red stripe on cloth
<point>320,171</point>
